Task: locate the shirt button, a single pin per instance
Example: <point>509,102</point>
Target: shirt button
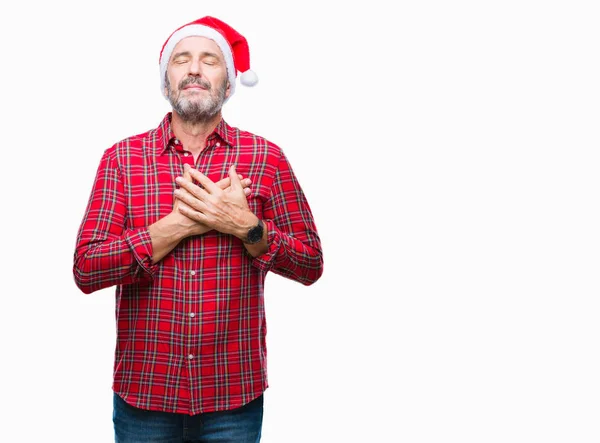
<point>193,272</point>
<point>191,357</point>
<point>192,314</point>
<point>218,144</point>
<point>186,153</point>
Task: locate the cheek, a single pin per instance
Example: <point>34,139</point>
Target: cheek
<point>174,77</point>
<point>217,77</point>
<point>174,81</point>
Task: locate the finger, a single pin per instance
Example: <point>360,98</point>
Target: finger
<point>186,177</point>
<point>247,191</point>
<point>182,205</point>
<point>186,172</point>
<point>224,183</point>
<point>186,199</point>
<point>190,187</point>
<point>208,184</point>
<point>192,214</point>
<point>235,181</point>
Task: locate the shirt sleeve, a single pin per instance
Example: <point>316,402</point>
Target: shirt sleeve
<point>106,252</point>
<point>294,248</point>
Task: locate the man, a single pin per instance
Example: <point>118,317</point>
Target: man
<point>186,220</point>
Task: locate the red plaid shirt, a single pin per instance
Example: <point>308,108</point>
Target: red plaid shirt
<point>191,328</point>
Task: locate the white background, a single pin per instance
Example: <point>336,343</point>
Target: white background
<point>449,151</point>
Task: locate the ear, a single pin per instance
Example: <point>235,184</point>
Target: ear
<point>228,90</point>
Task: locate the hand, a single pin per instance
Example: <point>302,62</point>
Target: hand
<point>193,226</point>
<point>225,210</point>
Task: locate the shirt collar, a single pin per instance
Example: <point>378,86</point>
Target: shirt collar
<point>164,135</point>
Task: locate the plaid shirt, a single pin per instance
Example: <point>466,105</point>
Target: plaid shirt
<point>191,328</point>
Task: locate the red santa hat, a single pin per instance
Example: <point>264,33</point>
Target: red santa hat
<point>233,45</point>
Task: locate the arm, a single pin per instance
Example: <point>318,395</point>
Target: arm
<point>290,245</point>
<point>170,230</point>
<point>106,253</point>
<point>167,232</point>
<point>294,248</point>
<point>225,210</point>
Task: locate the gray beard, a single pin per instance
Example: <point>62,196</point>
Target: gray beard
<point>197,111</point>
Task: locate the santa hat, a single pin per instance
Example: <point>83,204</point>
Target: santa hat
<point>233,45</point>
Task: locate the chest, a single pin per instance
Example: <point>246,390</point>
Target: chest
<point>149,181</point>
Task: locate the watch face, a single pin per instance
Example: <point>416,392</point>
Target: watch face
<point>255,234</point>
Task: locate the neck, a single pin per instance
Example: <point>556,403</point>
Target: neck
<point>193,135</point>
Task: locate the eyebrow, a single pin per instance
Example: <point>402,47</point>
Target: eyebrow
<point>189,54</point>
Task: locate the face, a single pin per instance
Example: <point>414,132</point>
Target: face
<point>196,79</point>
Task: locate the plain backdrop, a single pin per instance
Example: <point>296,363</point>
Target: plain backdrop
<point>450,154</point>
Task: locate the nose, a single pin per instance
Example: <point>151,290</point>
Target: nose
<point>195,67</point>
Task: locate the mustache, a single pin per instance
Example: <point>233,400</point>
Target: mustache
<point>194,81</point>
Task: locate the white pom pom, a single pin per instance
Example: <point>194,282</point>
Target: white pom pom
<point>249,78</point>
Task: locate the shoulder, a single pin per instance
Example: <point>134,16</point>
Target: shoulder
<point>257,144</point>
<point>137,146</point>
<point>135,142</point>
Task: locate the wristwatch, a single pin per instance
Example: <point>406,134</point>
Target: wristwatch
<point>255,234</point>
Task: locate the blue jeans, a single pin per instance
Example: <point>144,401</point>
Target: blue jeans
<point>241,425</point>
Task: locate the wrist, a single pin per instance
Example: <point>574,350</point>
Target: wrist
<point>245,223</point>
<point>182,227</point>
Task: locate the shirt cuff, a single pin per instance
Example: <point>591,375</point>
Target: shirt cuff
<point>266,261</point>
<point>140,243</point>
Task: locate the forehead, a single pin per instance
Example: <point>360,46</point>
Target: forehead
<point>197,45</point>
